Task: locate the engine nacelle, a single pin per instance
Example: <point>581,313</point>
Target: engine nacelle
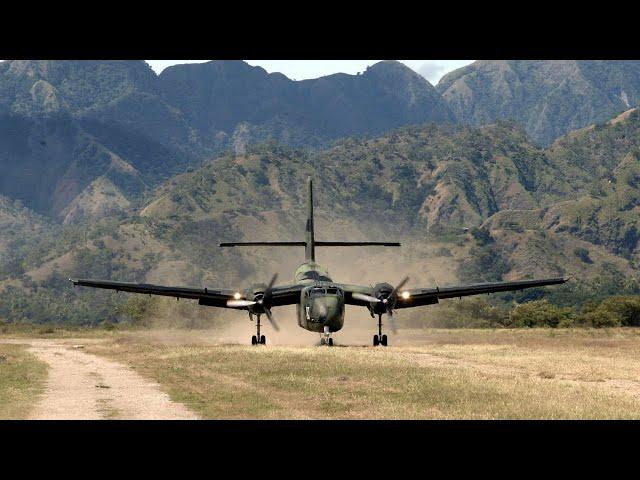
<point>383,292</point>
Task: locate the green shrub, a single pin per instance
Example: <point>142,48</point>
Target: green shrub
<point>612,312</point>
<point>482,236</point>
<point>135,309</point>
<point>600,318</point>
<point>583,255</point>
<point>541,313</point>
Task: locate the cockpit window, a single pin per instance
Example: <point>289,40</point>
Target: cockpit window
<point>314,275</point>
<point>319,291</point>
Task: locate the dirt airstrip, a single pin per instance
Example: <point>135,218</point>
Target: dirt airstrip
<point>86,387</point>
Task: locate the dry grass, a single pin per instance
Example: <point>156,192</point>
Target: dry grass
<point>22,379</point>
<point>549,374</point>
<point>25,330</point>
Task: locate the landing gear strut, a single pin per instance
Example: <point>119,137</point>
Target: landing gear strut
<point>258,339</point>
<point>325,339</point>
<point>380,339</point>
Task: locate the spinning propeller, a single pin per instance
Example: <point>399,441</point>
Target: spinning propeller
<point>261,302</point>
<point>386,300</point>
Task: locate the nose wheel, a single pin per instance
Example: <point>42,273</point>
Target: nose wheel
<point>325,338</point>
<point>327,341</point>
<point>380,339</point>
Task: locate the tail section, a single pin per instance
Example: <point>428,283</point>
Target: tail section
<point>310,246</point>
<point>310,242</point>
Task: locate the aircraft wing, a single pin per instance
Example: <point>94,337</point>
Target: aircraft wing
<point>428,296</point>
<point>349,290</point>
<point>212,297</point>
<point>286,295</point>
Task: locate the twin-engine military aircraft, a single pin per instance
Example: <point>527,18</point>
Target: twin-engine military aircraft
<point>320,302</point>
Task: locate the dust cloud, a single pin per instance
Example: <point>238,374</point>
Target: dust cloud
<point>424,263</point>
<point>221,327</point>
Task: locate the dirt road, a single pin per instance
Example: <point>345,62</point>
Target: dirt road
<point>82,386</point>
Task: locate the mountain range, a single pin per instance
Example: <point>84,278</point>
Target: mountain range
<point>548,98</point>
<point>110,170</point>
<point>65,123</point>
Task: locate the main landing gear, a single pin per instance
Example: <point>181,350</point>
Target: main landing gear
<point>258,339</point>
<point>380,339</point>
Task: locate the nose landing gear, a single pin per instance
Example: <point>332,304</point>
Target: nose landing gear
<point>325,338</point>
<point>380,339</point>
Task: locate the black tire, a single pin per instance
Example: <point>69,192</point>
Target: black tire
<point>376,342</point>
<point>331,342</point>
<point>254,340</point>
<point>384,340</point>
<point>263,340</point>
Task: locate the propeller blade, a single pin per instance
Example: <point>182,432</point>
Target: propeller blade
<point>392,297</point>
<point>365,298</point>
<point>271,283</point>
<point>266,296</point>
<point>392,322</point>
<point>399,286</point>
<point>275,326</point>
<point>240,303</point>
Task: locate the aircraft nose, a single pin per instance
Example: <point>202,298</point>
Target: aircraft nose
<point>321,309</point>
<point>325,309</point>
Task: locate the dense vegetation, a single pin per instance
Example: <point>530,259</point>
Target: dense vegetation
<point>613,311</point>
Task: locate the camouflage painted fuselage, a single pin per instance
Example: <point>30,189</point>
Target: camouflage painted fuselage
<point>321,301</point>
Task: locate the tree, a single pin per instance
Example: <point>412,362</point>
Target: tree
<point>583,255</point>
<point>541,313</point>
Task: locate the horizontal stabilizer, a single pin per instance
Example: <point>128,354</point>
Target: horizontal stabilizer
<point>258,244</point>
<point>358,244</point>
<point>302,244</point>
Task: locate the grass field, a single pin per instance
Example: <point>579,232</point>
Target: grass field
<point>439,374</point>
<point>22,378</point>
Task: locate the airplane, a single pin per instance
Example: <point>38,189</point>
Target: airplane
<point>320,302</point>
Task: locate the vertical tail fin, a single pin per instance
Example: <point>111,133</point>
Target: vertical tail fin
<point>310,240</point>
<point>310,247</point>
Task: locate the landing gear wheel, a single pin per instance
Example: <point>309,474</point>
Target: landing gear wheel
<point>376,342</point>
<point>330,342</point>
<point>263,340</point>
<point>384,340</point>
<point>254,340</point>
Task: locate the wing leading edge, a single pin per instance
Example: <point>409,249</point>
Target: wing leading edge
<point>428,296</point>
<point>285,295</point>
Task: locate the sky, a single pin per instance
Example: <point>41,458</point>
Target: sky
<point>432,70</point>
